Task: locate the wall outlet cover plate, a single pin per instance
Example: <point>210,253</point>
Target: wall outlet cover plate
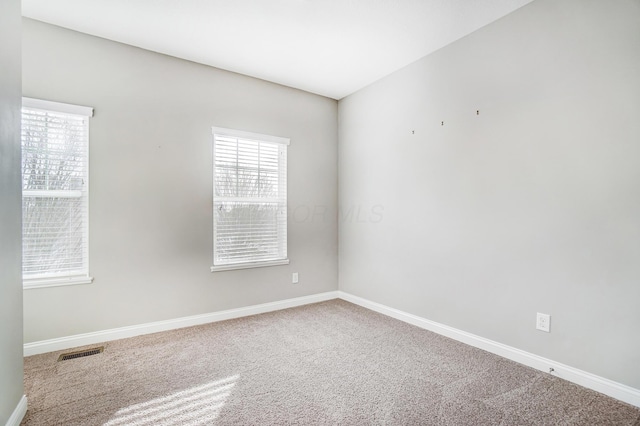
<point>543,322</point>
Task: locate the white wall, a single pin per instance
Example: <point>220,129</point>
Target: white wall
<point>150,183</point>
<point>531,206</point>
<point>11,389</point>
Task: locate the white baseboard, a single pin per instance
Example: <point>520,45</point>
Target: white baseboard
<point>18,413</point>
<point>599,384</point>
<point>154,327</point>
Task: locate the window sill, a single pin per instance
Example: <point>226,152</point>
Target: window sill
<point>55,282</point>
<point>249,265</point>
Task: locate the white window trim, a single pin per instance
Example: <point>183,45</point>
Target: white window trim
<point>30,283</point>
<point>252,136</point>
<point>64,280</point>
<point>249,265</point>
<point>57,106</point>
<point>249,135</point>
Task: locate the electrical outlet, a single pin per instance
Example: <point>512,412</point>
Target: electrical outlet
<point>543,322</point>
<point>294,278</point>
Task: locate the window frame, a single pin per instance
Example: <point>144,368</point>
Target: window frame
<point>260,138</point>
<point>54,279</point>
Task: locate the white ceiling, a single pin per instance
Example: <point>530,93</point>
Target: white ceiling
<point>328,47</point>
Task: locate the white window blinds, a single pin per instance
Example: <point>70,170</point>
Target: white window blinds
<point>249,199</point>
<point>55,148</point>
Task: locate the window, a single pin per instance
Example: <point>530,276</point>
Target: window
<point>249,200</point>
<point>55,193</point>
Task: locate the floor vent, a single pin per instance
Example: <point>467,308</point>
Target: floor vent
<point>80,354</point>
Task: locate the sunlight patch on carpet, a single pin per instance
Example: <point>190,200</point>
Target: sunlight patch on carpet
<point>188,407</point>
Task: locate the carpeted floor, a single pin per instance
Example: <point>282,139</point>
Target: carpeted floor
<point>329,363</point>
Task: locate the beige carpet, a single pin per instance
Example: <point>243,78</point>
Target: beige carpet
<point>328,363</point>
